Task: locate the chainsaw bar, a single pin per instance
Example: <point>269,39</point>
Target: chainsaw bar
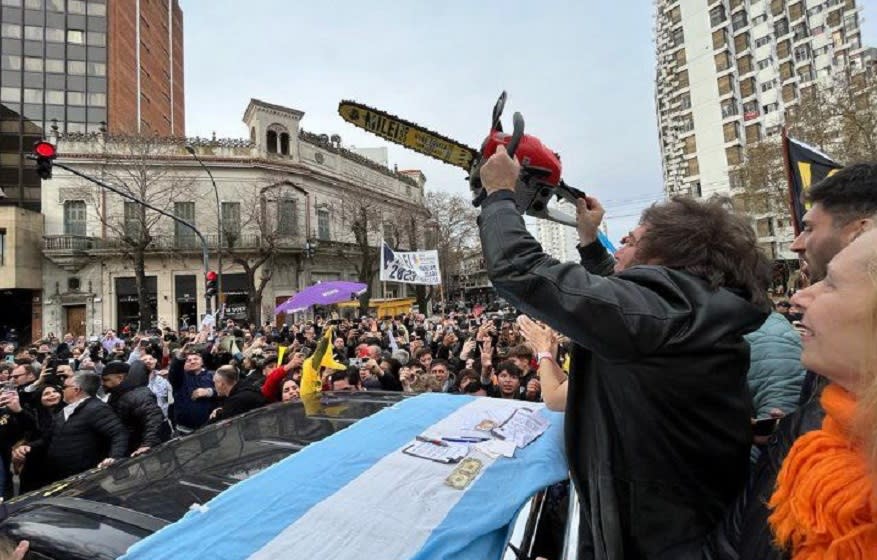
<point>412,136</point>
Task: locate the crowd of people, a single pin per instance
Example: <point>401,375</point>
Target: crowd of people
<point>702,419</point>
<point>72,403</point>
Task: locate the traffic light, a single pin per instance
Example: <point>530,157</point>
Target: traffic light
<point>210,287</point>
<point>45,152</point>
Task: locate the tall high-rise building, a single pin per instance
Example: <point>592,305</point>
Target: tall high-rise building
<point>83,65</point>
<point>727,72</point>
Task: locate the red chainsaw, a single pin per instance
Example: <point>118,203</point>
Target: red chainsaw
<point>540,177</point>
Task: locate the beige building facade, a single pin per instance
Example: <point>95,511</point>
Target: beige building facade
<point>284,193</point>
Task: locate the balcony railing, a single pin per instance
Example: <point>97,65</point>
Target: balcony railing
<point>159,243</point>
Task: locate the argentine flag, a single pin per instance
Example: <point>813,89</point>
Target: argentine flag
<point>356,496</point>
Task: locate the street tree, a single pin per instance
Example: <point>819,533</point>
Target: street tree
<point>263,220</point>
<point>839,118</point>
<point>138,165</point>
<point>455,230</point>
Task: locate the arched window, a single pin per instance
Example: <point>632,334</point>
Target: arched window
<point>272,142</point>
<point>284,144</point>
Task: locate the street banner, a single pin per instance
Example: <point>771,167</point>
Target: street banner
<point>410,267</point>
<point>806,166</point>
<point>313,503</point>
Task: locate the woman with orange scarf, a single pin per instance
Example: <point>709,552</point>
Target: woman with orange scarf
<point>812,496</point>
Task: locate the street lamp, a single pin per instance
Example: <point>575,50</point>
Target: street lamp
<point>191,150</point>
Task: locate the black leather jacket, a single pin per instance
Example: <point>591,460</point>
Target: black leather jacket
<point>657,418</point>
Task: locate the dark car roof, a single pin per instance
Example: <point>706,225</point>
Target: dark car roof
<point>132,499</point>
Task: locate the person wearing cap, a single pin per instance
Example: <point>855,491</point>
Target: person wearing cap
<point>136,406</point>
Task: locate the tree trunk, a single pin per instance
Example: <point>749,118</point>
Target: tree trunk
<point>423,295</point>
<point>144,316</point>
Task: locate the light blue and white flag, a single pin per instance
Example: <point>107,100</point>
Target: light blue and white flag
<point>356,496</point>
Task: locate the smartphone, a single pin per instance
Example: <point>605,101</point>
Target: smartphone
<point>764,426</point>
<point>355,362</point>
<point>497,322</point>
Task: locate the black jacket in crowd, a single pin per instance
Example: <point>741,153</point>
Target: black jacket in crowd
<point>138,410</point>
<point>745,533</point>
<point>657,422</point>
<point>91,434</point>
<point>37,423</point>
<point>242,398</point>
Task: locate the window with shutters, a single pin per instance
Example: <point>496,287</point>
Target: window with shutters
<point>805,73</point>
<point>747,87</point>
<point>676,15</point>
<point>724,85</point>
<point>796,11</point>
<point>734,4</point>
<point>683,78</point>
<point>784,49</point>
<point>720,38</point>
<point>677,37</point>
<point>789,93</point>
<point>776,7</point>
<point>231,220</point>
<point>689,145</point>
<point>692,168</point>
<point>753,133</point>
<point>286,216</point>
<point>785,70</point>
<point>734,155</point>
<point>680,57</point>
<point>730,131</point>
<point>723,61</point>
<point>323,224</point>
<point>744,64</point>
<point>184,236</point>
<point>741,42</point>
<point>74,217</point>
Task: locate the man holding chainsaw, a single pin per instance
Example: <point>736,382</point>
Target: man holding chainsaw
<point>657,408</point>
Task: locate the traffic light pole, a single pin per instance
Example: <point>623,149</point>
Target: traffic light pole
<point>204,255</point>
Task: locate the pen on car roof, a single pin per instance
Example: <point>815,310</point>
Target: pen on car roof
<point>431,440</point>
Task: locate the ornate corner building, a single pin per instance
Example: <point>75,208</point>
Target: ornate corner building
<point>282,194</point>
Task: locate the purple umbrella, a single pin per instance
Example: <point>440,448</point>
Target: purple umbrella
<point>323,293</point>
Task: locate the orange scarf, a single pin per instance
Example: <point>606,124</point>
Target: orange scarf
<point>823,506</point>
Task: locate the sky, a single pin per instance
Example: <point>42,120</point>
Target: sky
<point>581,73</point>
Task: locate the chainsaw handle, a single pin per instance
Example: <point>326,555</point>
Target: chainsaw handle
<point>518,121</point>
<point>495,123</point>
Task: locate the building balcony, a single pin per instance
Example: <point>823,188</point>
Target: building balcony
<point>160,243</point>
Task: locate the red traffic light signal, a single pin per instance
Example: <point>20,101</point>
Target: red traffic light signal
<point>45,152</point>
<point>210,287</point>
<point>44,149</point>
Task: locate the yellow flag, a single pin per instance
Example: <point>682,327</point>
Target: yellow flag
<point>281,350</point>
<point>311,381</point>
